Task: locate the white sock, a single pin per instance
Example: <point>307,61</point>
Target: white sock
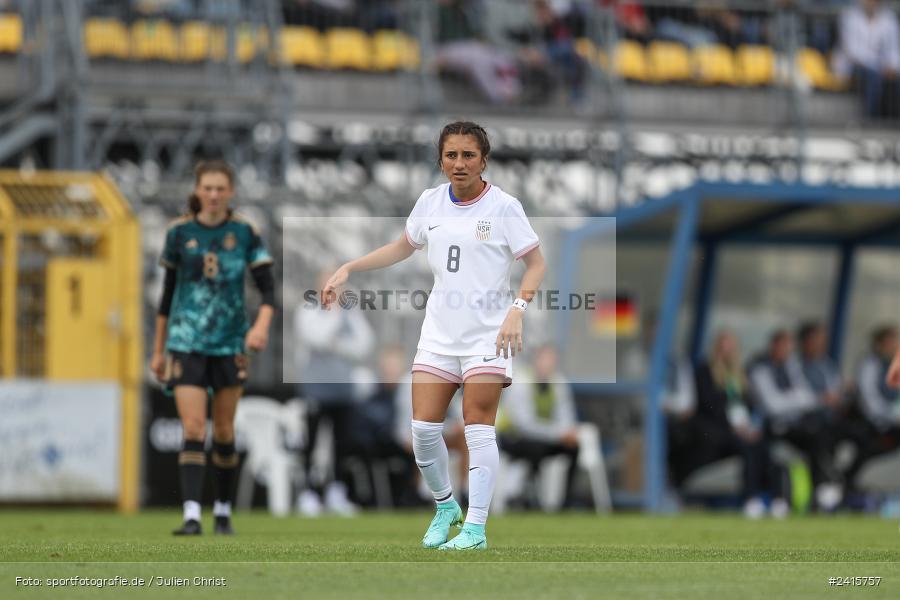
<point>432,458</point>
<point>191,510</point>
<point>484,460</point>
<point>221,509</point>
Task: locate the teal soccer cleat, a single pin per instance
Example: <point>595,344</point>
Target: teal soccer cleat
<point>470,538</point>
<point>448,514</point>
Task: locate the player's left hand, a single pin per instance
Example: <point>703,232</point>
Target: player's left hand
<point>256,339</point>
<point>509,340</point>
<point>329,292</point>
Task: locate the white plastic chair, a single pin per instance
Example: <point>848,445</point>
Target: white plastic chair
<point>590,459</point>
<point>264,425</point>
<point>551,477</point>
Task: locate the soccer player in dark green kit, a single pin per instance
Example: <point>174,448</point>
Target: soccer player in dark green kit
<point>202,335</point>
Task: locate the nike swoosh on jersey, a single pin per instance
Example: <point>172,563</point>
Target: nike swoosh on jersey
<point>435,227</point>
<point>486,359</point>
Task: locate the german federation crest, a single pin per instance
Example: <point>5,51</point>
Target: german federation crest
<point>483,230</point>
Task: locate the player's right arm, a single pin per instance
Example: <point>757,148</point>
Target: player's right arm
<point>169,261</point>
<point>389,254</point>
<point>158,361</point>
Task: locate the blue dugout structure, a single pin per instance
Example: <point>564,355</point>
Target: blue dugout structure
<point>708,215</point>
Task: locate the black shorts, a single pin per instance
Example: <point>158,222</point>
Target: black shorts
<point>205,371</point>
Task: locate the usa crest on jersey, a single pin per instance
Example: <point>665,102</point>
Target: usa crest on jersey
<point>483,230</point>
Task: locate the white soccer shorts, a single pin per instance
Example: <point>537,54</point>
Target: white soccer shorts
<point>457,369</point>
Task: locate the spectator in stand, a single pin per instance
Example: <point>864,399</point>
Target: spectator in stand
<point>820,371</point>
<point>724,426</point>
<point>879,399</point>
<point>321,14</point>
<point>551,46</point>
<point>816,21</point>
<point>113,9</point>
<point>462,48</point>
<point>631,19</point>
<point>869,55</point>
<point>679,24</point>
<point>880,396</point>
<point>378,14</point>
<point>824,377</point>
<point>731,28</point>
<point>792,410</point>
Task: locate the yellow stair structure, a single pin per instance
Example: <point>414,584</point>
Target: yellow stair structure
<point>70,292</point>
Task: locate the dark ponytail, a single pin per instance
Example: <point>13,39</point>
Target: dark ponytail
<point>193,204</point>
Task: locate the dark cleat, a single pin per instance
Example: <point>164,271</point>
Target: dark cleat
<point>223,526</point>
<point>190,527</point>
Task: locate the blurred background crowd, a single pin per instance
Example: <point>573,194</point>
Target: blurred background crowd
<point>518,54</point>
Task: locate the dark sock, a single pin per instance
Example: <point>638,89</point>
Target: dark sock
<point>225,462</point>
<point>191,465</point>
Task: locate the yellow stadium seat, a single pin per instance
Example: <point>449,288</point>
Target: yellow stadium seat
<point>814,66</point>
<point>392,50</point>
<point>631,61</point>
<point>586,49</point>
<point>302,47</point>
<point>755,65</point>
<point>669,61</point>
<point>200,42</point>
<point>154,40</point>
<point>251,41</point>
<point>10,33</point>
<point>106,38</point>
<point>714,65</point>
<point>348,49</point>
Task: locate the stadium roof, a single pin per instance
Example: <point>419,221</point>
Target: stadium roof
<point>772,214</point>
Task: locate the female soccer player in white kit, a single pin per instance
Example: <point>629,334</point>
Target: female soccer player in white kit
<point>473,233</point>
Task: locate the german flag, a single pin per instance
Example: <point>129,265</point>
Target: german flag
<point>615,317</point>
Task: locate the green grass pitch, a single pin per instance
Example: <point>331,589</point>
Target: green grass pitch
<point>631,557</point>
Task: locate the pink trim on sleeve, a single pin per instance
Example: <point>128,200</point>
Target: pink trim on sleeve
<point>526,250</point>
<point>411,241</point>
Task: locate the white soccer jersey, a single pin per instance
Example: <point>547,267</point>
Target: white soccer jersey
<point>471,248</point>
